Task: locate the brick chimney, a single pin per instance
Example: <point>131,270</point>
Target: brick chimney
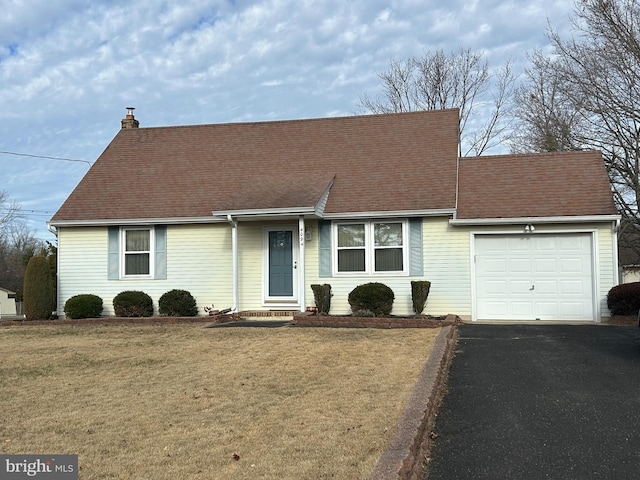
<point>129,121</point>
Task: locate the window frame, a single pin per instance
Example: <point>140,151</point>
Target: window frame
<point>370,248</point>
<point>123,252</point>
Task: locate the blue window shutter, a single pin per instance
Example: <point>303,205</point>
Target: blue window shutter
<point>324,248</point>
<point>416,261</point>
<point>113,268</point>
<point>161,252</point>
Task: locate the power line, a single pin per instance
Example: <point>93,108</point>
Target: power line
<point>45,156</point>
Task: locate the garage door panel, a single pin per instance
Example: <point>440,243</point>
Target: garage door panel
<point>494,265</point>
<point>544,244</point>
<point>574,311</point>
<point>576,264</point>
<point>519,265</point>
<point>545,265</point>
<point>519,287</point>
<point>547,310</point>
<point>494,309</point>
<point>573,287</point>
<point>546,287</point>
<point>522,308</point>
<point>493,287</point>
<point>517,244</point>
<point>539,276</point>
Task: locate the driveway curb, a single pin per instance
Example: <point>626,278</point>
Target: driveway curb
<point>404,455</point>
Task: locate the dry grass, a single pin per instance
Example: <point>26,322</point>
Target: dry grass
<point>177,401</point>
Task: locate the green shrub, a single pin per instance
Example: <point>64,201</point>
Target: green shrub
<point>38,289</point>
<point>419,293</point>
<point>133,303</point>
<point>83,306</point>
<point>322,296</point>
<point>624,299</point>
<point>375,297</point>
<point>177,303</point>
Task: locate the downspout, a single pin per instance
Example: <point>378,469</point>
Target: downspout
<point>616,228</point>
<point>234,261</point>
<point>301,269</point>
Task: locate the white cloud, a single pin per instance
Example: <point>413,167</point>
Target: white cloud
<point>69,67</point>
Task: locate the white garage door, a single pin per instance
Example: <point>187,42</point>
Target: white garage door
<point>534,277</point>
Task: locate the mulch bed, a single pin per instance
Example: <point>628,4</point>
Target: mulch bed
<point>624,320</point>
<point>423,321</point>
<point>300,320</point>
<point>124,321</point>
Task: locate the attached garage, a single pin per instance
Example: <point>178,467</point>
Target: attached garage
<point>535,276</point>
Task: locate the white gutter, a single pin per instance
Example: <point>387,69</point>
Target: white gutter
<point>534,220</point>
<point>234,261</point>
<point>442,212</point>
<point>265,212</point>
<point>134,221</point>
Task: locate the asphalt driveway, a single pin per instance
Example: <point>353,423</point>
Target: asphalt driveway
<point>541,401</point>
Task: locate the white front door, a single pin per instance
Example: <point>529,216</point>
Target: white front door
<point>534,277</point>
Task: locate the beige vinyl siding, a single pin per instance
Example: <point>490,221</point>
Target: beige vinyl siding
<point>250,274</point>
<point>446,257</point>
<point>198,260</point>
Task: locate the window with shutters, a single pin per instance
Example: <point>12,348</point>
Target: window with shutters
<point>370,247</point>
<point>137,252</point>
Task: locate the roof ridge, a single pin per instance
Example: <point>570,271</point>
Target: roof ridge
<point>517,156</point>
<point>442,111</point>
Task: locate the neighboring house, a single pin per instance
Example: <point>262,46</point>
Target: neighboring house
<point>248,215</point>
<point>7,303</point>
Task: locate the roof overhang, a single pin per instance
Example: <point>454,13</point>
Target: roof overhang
<point>133,221</point>
<point>534,220</point>
<point>266,213</point>
<point>443,212</point>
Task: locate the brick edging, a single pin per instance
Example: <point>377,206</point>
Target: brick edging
<point>409,444</point>
<point>312,320</point>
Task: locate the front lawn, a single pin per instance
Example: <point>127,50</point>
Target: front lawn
<point>183,401</point>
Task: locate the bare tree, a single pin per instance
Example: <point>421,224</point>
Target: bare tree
<point>438,80</point>
<point>545,119</point>
<point>9,211</point>
<point>588,96</point>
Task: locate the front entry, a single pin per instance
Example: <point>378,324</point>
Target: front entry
<point>281,263</point>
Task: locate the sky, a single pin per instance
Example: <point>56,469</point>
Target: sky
<point>69,68</point>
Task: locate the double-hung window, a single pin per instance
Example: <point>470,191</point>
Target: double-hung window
<point>371,247</point>
<point>137,252</point>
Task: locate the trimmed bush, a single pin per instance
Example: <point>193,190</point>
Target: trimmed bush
<point>83,306</point>
<point>177,303</point>
<point>374,297</point>
<point>419,293</point>
<point>38,289</point>
<point>322,296</point>
<point>624,299</point>
<point>133,303</point>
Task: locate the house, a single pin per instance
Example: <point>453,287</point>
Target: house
<point>7,303</point>
<point>248,215</point>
